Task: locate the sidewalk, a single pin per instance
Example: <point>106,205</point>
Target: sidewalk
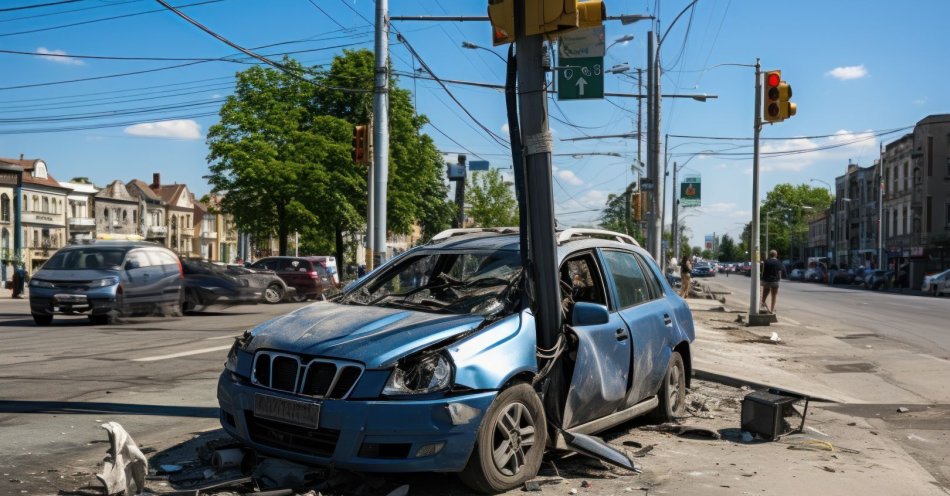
<point>860,404</point>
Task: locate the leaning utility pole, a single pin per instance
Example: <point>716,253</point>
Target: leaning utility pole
<point>380,132</point>
<point>654,225</point>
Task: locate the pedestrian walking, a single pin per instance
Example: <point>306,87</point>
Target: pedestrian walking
<point>686,276</point>
<point>19,281</point>
<point>771,275</point>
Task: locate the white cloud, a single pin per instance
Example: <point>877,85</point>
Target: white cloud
<point>569,177</point>
<point>848,72</point>
<point>58,56</point>
<point>505,128</point>
<point>846,144</point>
<point>181,129</point>
<point>718,208</point>
<point>740,214</point>
<point>920,101</point>
<point>215,96</point>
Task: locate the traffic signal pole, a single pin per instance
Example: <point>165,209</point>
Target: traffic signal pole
<point>380,165</point>
<point>543,284</point>
<point>754,245</point>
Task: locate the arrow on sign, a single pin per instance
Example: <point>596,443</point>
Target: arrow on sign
<point>581,82</point>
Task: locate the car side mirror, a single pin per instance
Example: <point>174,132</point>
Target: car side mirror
<point>588,314</point>
<point>132,264</point>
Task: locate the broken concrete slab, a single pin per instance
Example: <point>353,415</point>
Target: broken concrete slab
<point>125,467</point>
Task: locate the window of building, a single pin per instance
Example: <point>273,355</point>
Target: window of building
<point>894,225</point>
<point>5,208</point>
<point>906,177</point>
<point>904,221</point>
<point>45,204</point>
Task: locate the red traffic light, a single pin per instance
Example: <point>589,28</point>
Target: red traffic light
<point>773,79</point>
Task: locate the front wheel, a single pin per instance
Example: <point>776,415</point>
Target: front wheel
<point>672,394</point>
<point>42,319</point>
<point>273,293</point>
<point>510,442</point>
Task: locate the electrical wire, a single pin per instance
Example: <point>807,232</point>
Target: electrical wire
<point>103,19</point>
<point>787,138</point>
<point>38,5</point>
<point>100,126</point>
<point>60,12</point>
<point>328,16</point>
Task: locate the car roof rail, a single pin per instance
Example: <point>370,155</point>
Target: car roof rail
<point>568,234</point>
<point>448,233</point>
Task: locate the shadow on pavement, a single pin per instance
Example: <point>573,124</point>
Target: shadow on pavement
<point>79,407</point>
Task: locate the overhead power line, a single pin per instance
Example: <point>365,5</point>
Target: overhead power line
<point>69,11</point>
<point>38,5</point>
<point>787,138</point>
<point>283,68</point>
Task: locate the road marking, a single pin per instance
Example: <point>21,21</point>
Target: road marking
<point>182,354</point>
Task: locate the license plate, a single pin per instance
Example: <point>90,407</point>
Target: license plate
<point>70,298</point>
<point>304,414</point>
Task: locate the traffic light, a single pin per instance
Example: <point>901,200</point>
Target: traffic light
<point>359,145</point>
<point>502,16</point>
<point>776,106</point>
<point>549,16</point>
<point>591,14</point>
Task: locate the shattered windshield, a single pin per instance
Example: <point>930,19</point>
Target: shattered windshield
<point>457,283</point>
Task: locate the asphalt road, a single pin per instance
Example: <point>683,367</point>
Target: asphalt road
<point>155,376</point>
<point>921,322</point>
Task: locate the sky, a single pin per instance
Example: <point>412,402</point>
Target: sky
<point>858,69</point>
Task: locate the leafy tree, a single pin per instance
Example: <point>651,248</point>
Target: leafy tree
<point>491,201</point>
<point>727,249</point>
<point>615,216</point>
<point>706,254</point>
<point>696,251</point>
<point>789,207</point>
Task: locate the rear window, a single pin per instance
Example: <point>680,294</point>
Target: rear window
<point>87,258</point>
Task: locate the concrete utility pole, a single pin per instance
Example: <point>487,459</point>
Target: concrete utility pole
<point>754,235</point>
<point>536,137</point>
<point>370,206</point>
<point>381,131</point>
<point>655,226</point>
<point>675,223</point>
<point>651,164</point>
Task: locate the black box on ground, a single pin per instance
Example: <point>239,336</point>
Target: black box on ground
<point>770,416</point>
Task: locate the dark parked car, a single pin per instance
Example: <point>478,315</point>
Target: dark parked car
<point>106,279</point>
<point>208,284</point>
<point>703,270</point>
<point>305,274</point>
<point>430,362</point>
<point>275,289</point>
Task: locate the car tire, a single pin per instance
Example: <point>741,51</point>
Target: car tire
<point>100,319</point>
<point>42,319</point>
<point>273,293</point>
<point>516,410</point>
<point>672,394</point>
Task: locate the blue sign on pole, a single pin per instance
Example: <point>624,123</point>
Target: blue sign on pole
<point>478,165</point>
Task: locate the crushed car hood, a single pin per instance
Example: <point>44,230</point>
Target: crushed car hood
<point>375,336</point>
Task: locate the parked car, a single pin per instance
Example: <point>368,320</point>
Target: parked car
<point>305,274</point>
<point>275,290</point>
<point>937,284</point>
<point>815,274</point>
<point>878,279</point>
<point>107,279</point>
<point>702,270</point>
<point>430,363</point>
<point>209,283</point>
<point>797,275</point>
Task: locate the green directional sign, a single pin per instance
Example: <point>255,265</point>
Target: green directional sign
<point>580,78</point>
<point>691,192</point>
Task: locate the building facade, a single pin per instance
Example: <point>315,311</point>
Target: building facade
<point>43,213</point>
<point>116,212</point>
<point>151,212</point>
<point>899,171</point>
<point>80,217</point>
<point>818,234</point>
<point>856,202</point>
<point>9,183</point>
<point>179,215</point>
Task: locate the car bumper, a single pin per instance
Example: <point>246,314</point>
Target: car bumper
<point>362,435</point>
<point>49,301</point>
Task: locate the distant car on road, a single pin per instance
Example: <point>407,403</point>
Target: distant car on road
<point>306,275</point>
<point>703,270</point>
<point>207,283</point>
<point>797,275</point>
<point>107,279</point>
<point>937,284</point>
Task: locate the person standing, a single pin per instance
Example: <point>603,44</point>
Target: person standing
<point>771,275</point>
<point>686,276</point>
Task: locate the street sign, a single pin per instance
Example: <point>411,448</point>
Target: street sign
<point>646,184</point>
<point>455,172</point>
<point>580,62</point>
<point>691,192</point>
<point>478,165</point>
<point>580,78</point>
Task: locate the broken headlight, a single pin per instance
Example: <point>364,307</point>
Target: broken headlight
<point>425,373</point>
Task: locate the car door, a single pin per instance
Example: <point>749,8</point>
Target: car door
<point>647,316</point>
<point>140,281</point>
<point>601,376</point>
<point>169,273</point>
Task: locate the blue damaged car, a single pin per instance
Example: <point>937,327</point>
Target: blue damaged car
<point>430,362</point>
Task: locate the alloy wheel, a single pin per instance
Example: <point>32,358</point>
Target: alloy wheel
<point>513,436</point>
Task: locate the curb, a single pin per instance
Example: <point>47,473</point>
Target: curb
<point>737,382</point>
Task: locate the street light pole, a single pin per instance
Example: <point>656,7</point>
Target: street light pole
<point>381,130</point>
<point>754,235</point>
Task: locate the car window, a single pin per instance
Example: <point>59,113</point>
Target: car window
<point>581,275</point>
<point>266,264</point>
<point>628,278</point>
<point>293,265</point>
<point>458,283</point>
<point>137,259</point>
<point>653,282</point>
<point>159,257</point>
<point>86,258</point>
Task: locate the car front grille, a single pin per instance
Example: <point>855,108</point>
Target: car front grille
<point>318,442</point>
<point>71,285</point>
<point>318,377</point>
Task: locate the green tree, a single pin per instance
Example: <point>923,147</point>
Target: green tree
<point>789,207</point>
<point>491,201</point>
<point>727,249</point>
<point>615,216</point>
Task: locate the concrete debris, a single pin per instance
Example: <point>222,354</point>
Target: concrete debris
<point>125,467</point>
<point>532,486</point>
<point>573,491</point>
<point>775,338</point>
<point>585,484</point>
<point>903,409</point>
<point>279,473</point>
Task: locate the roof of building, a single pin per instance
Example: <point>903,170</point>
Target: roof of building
<point>116,191</point>
<point>28,171</point>
<point>141,186</point>
<point>83,188</point>
<point>171,193</point>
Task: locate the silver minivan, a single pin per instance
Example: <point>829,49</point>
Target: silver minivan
<point>106,279</point>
